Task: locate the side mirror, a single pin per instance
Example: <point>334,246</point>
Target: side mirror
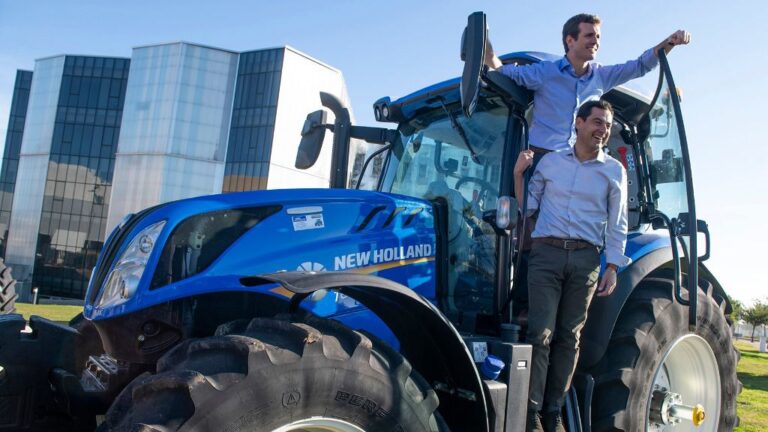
<point>473,54</point>
<point>450,166</point>
<point>312,136</point>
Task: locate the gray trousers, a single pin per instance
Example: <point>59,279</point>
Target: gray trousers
<point>561,284</point>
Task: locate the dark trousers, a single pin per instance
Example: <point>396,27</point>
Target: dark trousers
<point>560,287</point>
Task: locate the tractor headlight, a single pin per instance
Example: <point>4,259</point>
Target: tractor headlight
<point>123,281</point>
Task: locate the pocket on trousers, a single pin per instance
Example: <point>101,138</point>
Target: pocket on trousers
<point>593,277</point>
<point>535,246</point>
<point>592,266</point>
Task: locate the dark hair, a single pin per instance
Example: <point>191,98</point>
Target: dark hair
<point>586,108</point>
<point>571,27</point>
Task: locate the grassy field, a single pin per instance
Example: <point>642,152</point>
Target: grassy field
<point>752,369</point>
<point>753,401</point>
<point>59,313</point>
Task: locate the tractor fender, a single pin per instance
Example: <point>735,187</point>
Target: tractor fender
<point>604,311</point>
<point>717,288</point>
<point>427,338</point>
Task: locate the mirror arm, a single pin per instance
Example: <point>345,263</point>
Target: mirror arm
<point>373,135</point>
<point>341,130</point>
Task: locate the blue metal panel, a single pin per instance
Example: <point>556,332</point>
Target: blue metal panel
<point>400,248</point>
<point>640,244</point>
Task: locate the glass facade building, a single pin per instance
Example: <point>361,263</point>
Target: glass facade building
<point>253,120</point>
<point>12,149</point>
<point>201,120</point>
<point>77,161</point>
<point>104,137</point>
<point>174,136</point>
<point>79,179</point>
<point>34,156</point>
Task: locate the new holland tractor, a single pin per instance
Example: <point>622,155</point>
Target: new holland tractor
<point>389,310</point>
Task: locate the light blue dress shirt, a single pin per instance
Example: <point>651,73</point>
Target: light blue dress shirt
<point>581,200</point>
<point>558,93</point>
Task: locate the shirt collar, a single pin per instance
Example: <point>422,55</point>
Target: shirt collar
<point>564,65</point>
<point>600,156</point>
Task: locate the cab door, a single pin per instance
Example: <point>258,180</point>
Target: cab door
<point>671,198</point>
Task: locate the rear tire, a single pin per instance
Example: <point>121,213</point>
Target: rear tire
<point>274,374</point>
<point>7,290</point>
<point>652,347</point>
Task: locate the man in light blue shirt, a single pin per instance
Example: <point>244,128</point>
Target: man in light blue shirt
<point>560,87</point>
<point>581,196</point>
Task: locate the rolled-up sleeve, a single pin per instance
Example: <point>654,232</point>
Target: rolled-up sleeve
<point>618,74</point>
<point>616,229</point>
<point>529,76</point>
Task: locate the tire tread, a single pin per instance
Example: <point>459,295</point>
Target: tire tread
<point>8,293</point>
<point>196,371</point>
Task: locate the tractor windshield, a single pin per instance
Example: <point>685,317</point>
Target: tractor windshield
<point>443,156</point>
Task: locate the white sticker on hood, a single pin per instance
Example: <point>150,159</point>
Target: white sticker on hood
<point>309,221</point>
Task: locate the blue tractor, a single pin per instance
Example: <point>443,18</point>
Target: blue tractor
<point>397,309</point>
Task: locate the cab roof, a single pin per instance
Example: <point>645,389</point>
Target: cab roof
<point>630,103</point>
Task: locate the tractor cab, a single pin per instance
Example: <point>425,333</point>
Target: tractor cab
<point>455,145</point>
<point>458,163</point>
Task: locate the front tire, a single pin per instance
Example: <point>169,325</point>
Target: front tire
<point>652,349</point>
<point>278,375</point>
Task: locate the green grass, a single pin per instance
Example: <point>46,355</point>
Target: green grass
<point>60,313</point>
<point>752,403</point>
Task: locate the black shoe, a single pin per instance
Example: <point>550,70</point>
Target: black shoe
<point>553,421</point>
<point>533,422</point>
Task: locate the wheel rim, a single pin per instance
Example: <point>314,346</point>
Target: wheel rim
<point>319,424</point>
<point>689,369</point>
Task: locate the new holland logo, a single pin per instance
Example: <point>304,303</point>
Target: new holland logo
<point>379,256</point>
<point>310,267</point>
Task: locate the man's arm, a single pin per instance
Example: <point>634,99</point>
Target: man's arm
<point>529,76</point>
<point>614,75</point>
<point>491,60</point>
<point>524,160</point>
<point>615,234</point>
<point>535,184</point>
<point>618,74</point>
<point>680,37</point>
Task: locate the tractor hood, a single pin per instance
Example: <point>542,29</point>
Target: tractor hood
<point>207,244</point>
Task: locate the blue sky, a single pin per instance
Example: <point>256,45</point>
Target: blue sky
<point>392,48</point>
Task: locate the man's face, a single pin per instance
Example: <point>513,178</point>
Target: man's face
<point>585,46</point>
<point>595,130</point>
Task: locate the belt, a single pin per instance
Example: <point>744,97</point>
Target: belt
<point>567,244</point>
<point>538,150</point>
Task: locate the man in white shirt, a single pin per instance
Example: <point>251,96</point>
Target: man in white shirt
<point>580,195</point>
